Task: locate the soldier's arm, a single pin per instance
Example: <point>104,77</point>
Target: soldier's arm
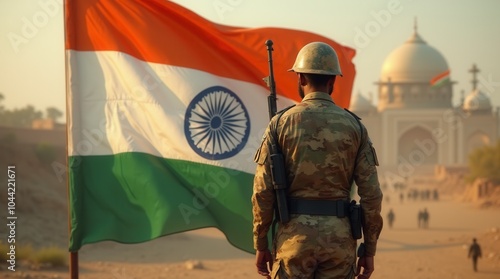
<point>365,176</point>
<point>263,197</point>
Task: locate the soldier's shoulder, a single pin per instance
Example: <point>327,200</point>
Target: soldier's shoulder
<point>285,109</point>
<point>281,113</point>
<point>353,114</point>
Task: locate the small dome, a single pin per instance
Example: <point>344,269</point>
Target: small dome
<point>360,103</point>
<point>414,61</point>
<point>477,101</point>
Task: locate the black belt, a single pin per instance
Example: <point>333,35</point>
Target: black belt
<point>339,208</point>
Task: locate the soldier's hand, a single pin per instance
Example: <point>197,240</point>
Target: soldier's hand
<point>368,265</point>
<point>263,258</point>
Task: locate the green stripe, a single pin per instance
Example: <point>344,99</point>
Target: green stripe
<point>441,81</point>
<point>136,197</point>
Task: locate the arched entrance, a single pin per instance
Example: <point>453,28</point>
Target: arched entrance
<point>417,147</point>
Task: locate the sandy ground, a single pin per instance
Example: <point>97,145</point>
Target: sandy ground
<point>404,251</point>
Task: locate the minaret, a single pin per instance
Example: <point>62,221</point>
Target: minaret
<point>474,80</point>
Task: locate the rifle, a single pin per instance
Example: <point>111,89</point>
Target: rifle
<point>277,161</point>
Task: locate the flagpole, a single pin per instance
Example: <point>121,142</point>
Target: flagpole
<point>73,265</point>
<point>73,256</point>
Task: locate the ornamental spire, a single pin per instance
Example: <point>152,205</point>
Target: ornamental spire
<point>415,38</point>
<point>474,70</point>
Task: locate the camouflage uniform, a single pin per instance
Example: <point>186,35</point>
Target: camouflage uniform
<point>320,142</point>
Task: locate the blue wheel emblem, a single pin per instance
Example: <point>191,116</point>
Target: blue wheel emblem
<point>216,123</point>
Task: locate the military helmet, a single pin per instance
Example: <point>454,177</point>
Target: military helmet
<point>317,58</point>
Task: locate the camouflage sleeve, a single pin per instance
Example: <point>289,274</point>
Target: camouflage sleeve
<point>365,176</point>
<point>263,196</point>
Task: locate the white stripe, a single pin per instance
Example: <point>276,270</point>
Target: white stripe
<point>117,103</point>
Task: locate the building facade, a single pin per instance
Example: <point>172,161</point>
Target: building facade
<point>414,125</point>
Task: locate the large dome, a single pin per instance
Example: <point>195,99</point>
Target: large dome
<point>414,61</point>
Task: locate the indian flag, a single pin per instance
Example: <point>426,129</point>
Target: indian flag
<point>165,112</point>
<point>440,79</point>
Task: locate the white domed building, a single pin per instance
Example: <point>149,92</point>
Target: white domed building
<point>414,125</point>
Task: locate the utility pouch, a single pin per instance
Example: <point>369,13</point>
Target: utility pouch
<point>355,216</point>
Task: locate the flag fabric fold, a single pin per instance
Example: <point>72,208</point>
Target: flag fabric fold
<point>165,112</point>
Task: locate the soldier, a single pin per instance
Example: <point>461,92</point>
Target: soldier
<point>325,149</point>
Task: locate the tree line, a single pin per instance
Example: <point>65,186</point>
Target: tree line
<point>23,117</point>
<point>484,162</point>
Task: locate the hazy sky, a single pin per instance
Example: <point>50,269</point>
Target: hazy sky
<point>464,31</point>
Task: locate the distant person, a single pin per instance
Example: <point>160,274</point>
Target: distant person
<point>390,217</point>
<point>474,253</point>
<point>425,219</point>
<point>436,195</point>
<point>401,197</point>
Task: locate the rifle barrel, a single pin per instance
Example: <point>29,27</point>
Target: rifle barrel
<point>271,99</point>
